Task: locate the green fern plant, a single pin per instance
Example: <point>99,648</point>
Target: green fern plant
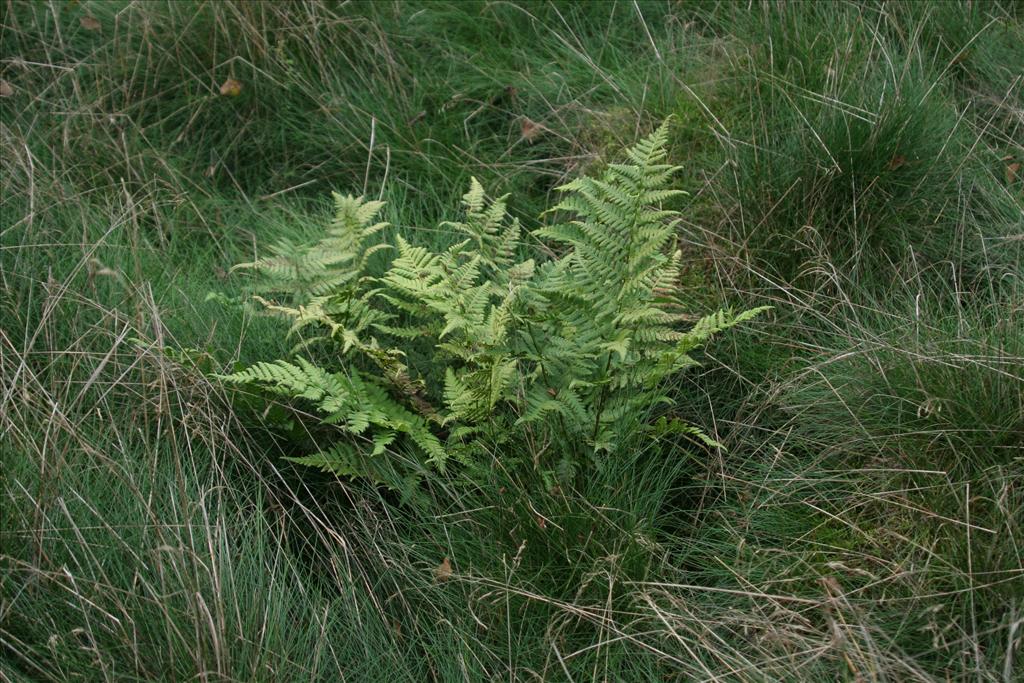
<point>570,356</point>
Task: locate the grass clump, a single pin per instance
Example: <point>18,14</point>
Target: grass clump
<point>841,157</point>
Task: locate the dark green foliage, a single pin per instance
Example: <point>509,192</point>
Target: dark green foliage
<point>843,158</point>
<point>863,520</point>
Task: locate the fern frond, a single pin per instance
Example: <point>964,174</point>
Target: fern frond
<point>302,380</point>
<point>712,324</point>
<point>664,426</point>
<point>493,237</point>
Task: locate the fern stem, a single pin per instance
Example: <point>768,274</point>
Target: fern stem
<point>547,381</point>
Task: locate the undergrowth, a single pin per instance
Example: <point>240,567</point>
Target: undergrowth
<point>856,166</point>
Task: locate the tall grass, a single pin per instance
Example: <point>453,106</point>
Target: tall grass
<point>850,163</point>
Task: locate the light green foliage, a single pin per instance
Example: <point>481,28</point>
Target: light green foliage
<point>329,265</point>
<point>571,356</point>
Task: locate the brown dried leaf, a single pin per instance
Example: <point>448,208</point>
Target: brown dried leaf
<point>832,586</point>
<point>443,571</point>
<point>231,88</point>
<point>90,23</point>
<point>530,129</point>
<point>1012,171</point>
<point>896,162</point>
<point>6,89</point>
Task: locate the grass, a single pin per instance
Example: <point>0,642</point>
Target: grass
<point>856,165</point>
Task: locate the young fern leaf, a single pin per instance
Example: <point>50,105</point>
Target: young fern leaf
<point>326,266</point>
<point>491,237</point>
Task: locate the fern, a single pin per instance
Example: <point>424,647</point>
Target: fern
<point>492,237</point>
<point>326,266</point>
<point>575,351</point>
<point>358,406</point>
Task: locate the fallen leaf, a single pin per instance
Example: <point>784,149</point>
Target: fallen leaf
<point>832,585</point>
<point>90,23</point>
<point>896,162</point>
<point>530,129</point>
<point>6,89</point>
<point>231,88</point>
<point>443,571</point>
<point>1012,170</point>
